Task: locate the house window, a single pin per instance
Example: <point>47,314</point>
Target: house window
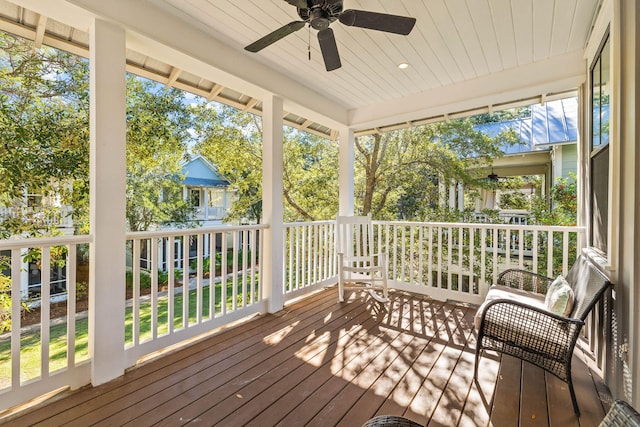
<point>194,197</point>
<point>599,153</point>
<point>216,198</point>
<point>34,200</point>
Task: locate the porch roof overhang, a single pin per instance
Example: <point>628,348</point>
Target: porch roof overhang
<point>461,64</point>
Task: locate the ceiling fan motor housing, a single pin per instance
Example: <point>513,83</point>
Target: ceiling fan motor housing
<point>320,13</point>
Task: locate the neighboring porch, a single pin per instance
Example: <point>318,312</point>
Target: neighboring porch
<point>319,362</point>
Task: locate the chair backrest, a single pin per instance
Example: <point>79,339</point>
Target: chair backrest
<point>588,284</point>
<point>621,414</point>
<point>354,236</point>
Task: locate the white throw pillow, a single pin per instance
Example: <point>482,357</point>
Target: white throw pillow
<point>559,299</point>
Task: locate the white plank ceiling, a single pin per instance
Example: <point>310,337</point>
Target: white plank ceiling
<point>453,41</point>
<point>460,53</point>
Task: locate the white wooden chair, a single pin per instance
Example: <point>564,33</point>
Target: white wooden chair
<point>358,266</point>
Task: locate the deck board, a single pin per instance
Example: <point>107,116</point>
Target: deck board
<point>319,362</point>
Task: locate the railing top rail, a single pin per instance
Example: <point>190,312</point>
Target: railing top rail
<point>192,231</point>
<point>307,223</point>
<point>483,225</point>
<point>44,241</point>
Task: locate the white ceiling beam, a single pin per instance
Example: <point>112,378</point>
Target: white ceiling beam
<point>146,26</point>
<point>41,26</point>
<point>173,77</point>
<point>252,103</point>
<point>215,91</point>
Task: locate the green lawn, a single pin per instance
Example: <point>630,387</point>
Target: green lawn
<point>31,344</point>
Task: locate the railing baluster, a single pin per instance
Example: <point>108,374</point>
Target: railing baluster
<point>199,267</point>
<point>185,281</point>
<point>550,254</point>
<point>171,279</point>
<point>535,251</point>
<point>71,305</point>
<point>565,252</point>
<point>245,248</point>
<point>212,275</point>
<point>482,287</point>
<point>45,308</point>
<point>430,264</point>
<point>234,269</point>
<point>135,283</point>
<point>154,288</point>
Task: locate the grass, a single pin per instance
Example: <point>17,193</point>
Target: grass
<point>30,342</point>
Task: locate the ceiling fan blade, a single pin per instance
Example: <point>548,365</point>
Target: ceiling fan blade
<point>274,36</point>
<point>329,49</point>
<point>300,4</point>
<point>378,21</point>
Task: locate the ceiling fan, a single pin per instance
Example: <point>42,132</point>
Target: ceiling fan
<point>320,13</point>
<point>493,177</point>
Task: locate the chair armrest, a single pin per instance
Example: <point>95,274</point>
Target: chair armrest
<point>536,332</point>
<point>525,280</point>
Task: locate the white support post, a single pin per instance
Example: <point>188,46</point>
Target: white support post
<point>205,197</point>
<point>346,172</point>
<point>107,201</point>
<point>272,207</point>
<point>452,195</point>
<point>442,192</point>
<point>460,196</point>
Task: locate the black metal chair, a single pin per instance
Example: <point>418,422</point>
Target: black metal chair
<point>621,414</point>
<point>536,335</point>
<point>391,421</point>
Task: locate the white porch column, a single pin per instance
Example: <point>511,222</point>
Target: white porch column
<point>205,198</point>
<point>346,152</point>
<point>272,207</point>
<point>107,201</point>
<point>442,192</point>
<point>452,195</point>
<point>460,196</point>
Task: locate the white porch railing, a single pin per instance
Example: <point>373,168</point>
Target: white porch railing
<point>53,353</point>
<point>459,261</point>
<point>309,257</point>
<point>212,278</point>
<point>176,294</point>
<point>46,217</point>
<point>210,213</point>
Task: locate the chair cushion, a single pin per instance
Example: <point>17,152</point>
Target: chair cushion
<point>559,299</point>
<point>514,294</point>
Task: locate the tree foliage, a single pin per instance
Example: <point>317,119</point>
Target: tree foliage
<point>561,207</point>
<point>158,124</point>
<point>398,173</point>
<point>232,140</point>
<point>44,116</point>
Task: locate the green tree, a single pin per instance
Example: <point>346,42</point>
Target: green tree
<point>232,140</point>
<point>397,173</point>
<point>158,124</point>
<point>44,117</point>
<point>561,207</point>
<point>310,176</point>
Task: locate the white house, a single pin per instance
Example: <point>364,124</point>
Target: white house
<point>208,191</point>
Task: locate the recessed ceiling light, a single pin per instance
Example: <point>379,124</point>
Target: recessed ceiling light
<point>403,65</point>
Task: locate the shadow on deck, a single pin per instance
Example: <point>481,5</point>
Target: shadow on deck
<point>319,362</point>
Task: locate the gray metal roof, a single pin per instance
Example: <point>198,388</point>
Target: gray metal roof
<point>554,122</point>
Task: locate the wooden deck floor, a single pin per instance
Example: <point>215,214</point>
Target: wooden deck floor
<point>321,363</point>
